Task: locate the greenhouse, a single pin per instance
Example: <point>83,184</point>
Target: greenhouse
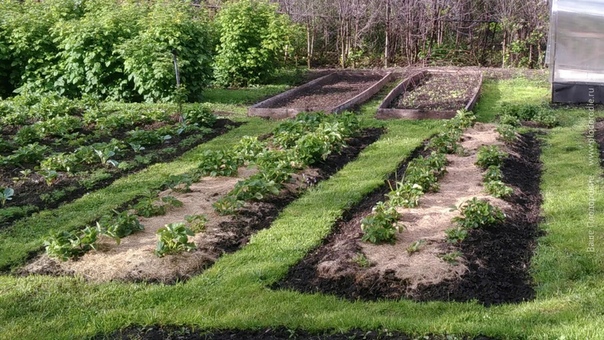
<point>576,51</point>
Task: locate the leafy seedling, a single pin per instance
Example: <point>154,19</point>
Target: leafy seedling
<point>174,238</point>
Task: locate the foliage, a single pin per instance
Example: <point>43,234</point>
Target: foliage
<point>539,114</point>
<point>405,195</point>
<point>218,163</point>
<point>119,226</point>
<point>6,194</point>
<point>254,188</point>
<point>477,213</point>
<point>380,226</point>
<point>89,64</point>
<point>177,29</point>
<point>227,205</point>
<point>65,245</point>
<point>199,114</point>
<point>248,148</point>
<point>456,235</point>
<point>174,238</point>
<point>489,155</point>
<point>197,223</point>
<point>507,133</point>
<point>415,246</point>
<point>498,189</point>
<point>252,37</point>
<point>451,257</point>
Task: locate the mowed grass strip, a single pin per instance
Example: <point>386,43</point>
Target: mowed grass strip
<point>27,235</point>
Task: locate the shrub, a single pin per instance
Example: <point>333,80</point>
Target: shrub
<point>167,30</point>
<point>252,37</point>
<point>219,163</point>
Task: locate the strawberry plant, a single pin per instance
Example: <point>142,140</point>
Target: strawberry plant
<point>456,235</point>
<point>254,188</point>
<point>488,155</point>
<point>65,245</point>
<point>405,195</point>
<point>507,133</point>
<point>6,194</point>
<point>477,213</point>
<point>119,226</point>
<point>227,205</point>
<point>493,173</point>
<point>219,163</point>
<point>174,238</point>
<point>197,223</point>
<point>451,258</point>
<point>200,115</point>
<point>380,226</point>
<point>498,189</point>
<point>415,246</point>
<point>249,147</point>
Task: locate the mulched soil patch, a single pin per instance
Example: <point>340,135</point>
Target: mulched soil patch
<point>498,257</point>
<point>599,138</point>
<point>280,333</point>
<point>320,98</point>
<point>439,92</point>
<point>68,188</point>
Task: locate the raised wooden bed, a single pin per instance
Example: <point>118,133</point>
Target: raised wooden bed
<point>394,105</point>
<point>334,92</point>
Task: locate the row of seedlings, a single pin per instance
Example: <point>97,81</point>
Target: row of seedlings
<point>55,147</point>
<point>421,176</point>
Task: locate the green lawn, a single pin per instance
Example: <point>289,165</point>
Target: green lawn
<point>234,294</point>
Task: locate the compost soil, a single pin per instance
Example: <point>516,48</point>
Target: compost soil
<point>280,333</point>
<point>497,258</point>
<point>323,98</point>
<point>31,191</point>
<point>133,259</point>
<point>439,91</point>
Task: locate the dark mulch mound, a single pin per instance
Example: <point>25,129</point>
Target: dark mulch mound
<point>599,137</point>
<point>280,333</point>
<point>68,188</point>
<point>498,257</point>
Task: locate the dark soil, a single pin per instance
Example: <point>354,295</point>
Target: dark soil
<point>599,138</point>
<point>498,257</point>
<point>280,333</point>
<point>439,92</point>
<point>34,195</point>
<point>325,97</point>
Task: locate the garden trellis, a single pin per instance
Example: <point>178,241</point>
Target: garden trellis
<point>576,51</point>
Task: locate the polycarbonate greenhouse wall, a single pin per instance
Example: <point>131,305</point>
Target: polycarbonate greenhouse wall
<point>576,51</point>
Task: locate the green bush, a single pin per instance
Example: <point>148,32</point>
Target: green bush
<point>175,28</point>
<point>380,225</point>
<point>252,38</point>
<point>89,64</point>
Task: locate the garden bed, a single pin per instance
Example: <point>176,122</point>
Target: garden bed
<point>334,92</point>
<point>62,168</point>
<point>494,264</point>
<point>432,94</point>
<point>133,258</point>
